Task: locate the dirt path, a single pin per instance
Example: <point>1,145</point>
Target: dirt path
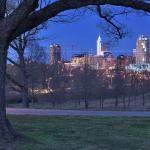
<point>53,112</point>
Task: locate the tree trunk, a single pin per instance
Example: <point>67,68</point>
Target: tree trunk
<point>143,98</point>
<point>116,101</point>
<point>86,100</point>
<point>5,127</point>
<point>129,100</point>
<point>143,93</point>
<point>135,98</point>
<point>86,104</point>
<point>124,101</point>
<point>85,94</point>
<point>24,90</point>
<point>101,102</point>
<point>32,82</point>
<point>32,88</point>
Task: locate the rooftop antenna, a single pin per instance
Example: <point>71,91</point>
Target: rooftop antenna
<point>72,50</point>
<point>65,54</point>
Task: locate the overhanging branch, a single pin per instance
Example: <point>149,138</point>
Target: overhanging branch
<point>109,20</point>
<point>57,7</point>
<point>13,62</point>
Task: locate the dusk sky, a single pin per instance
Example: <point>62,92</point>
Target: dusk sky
<point>83,34</point>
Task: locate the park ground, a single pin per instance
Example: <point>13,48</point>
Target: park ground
<point>109,104</point>
<point>79,133</point>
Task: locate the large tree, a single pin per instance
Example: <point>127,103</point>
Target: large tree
<point>28,15</point>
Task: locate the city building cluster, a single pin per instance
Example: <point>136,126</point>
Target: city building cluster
<point>104,59</point>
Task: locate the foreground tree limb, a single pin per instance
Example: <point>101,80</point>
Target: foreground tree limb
<point>13,62</point>
<point>5,127</point>
<point>57,7</point>
<point>2,8</point>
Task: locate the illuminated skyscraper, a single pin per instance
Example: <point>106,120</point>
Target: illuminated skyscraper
<point>99,47</point>
<point>141,53</point>
<point>55,54</point>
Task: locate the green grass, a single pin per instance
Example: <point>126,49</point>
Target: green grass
<point>79,133</point>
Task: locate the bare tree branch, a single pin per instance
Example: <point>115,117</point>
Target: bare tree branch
<point>108,19</point>
<point>13,62</point>
<point>57,7</point>
<point>14,81</point>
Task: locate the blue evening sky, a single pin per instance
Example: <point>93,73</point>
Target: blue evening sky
<point>81,36</point>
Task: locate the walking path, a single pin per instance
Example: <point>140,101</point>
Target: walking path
<point>55,112</point>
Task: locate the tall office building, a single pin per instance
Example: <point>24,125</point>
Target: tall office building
<point>99,47</point>
<point>141,53</point>
<point>55,54</point>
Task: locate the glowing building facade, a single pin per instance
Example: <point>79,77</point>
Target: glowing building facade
<point>99,47</point>
<point>141,53</point>
<point>55,54</point>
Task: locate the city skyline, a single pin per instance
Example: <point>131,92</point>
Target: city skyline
<point>76,34</point>
<point>101,48</point>
<point>73,37</point>
<point>104,58</point>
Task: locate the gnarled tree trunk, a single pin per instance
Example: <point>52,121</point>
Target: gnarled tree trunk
<point>5,126</point>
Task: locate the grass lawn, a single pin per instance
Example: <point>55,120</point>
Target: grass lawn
<point>80,133</point>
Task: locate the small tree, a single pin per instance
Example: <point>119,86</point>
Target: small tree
<point>20,45</point>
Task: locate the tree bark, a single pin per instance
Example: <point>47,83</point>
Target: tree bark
<point>116,101</point>
<point>5,126</point>
<point>129,101</point>
<point>101,102</point>
<point>24,90</point>
<point>124,101</point>
<point>2,8</point>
